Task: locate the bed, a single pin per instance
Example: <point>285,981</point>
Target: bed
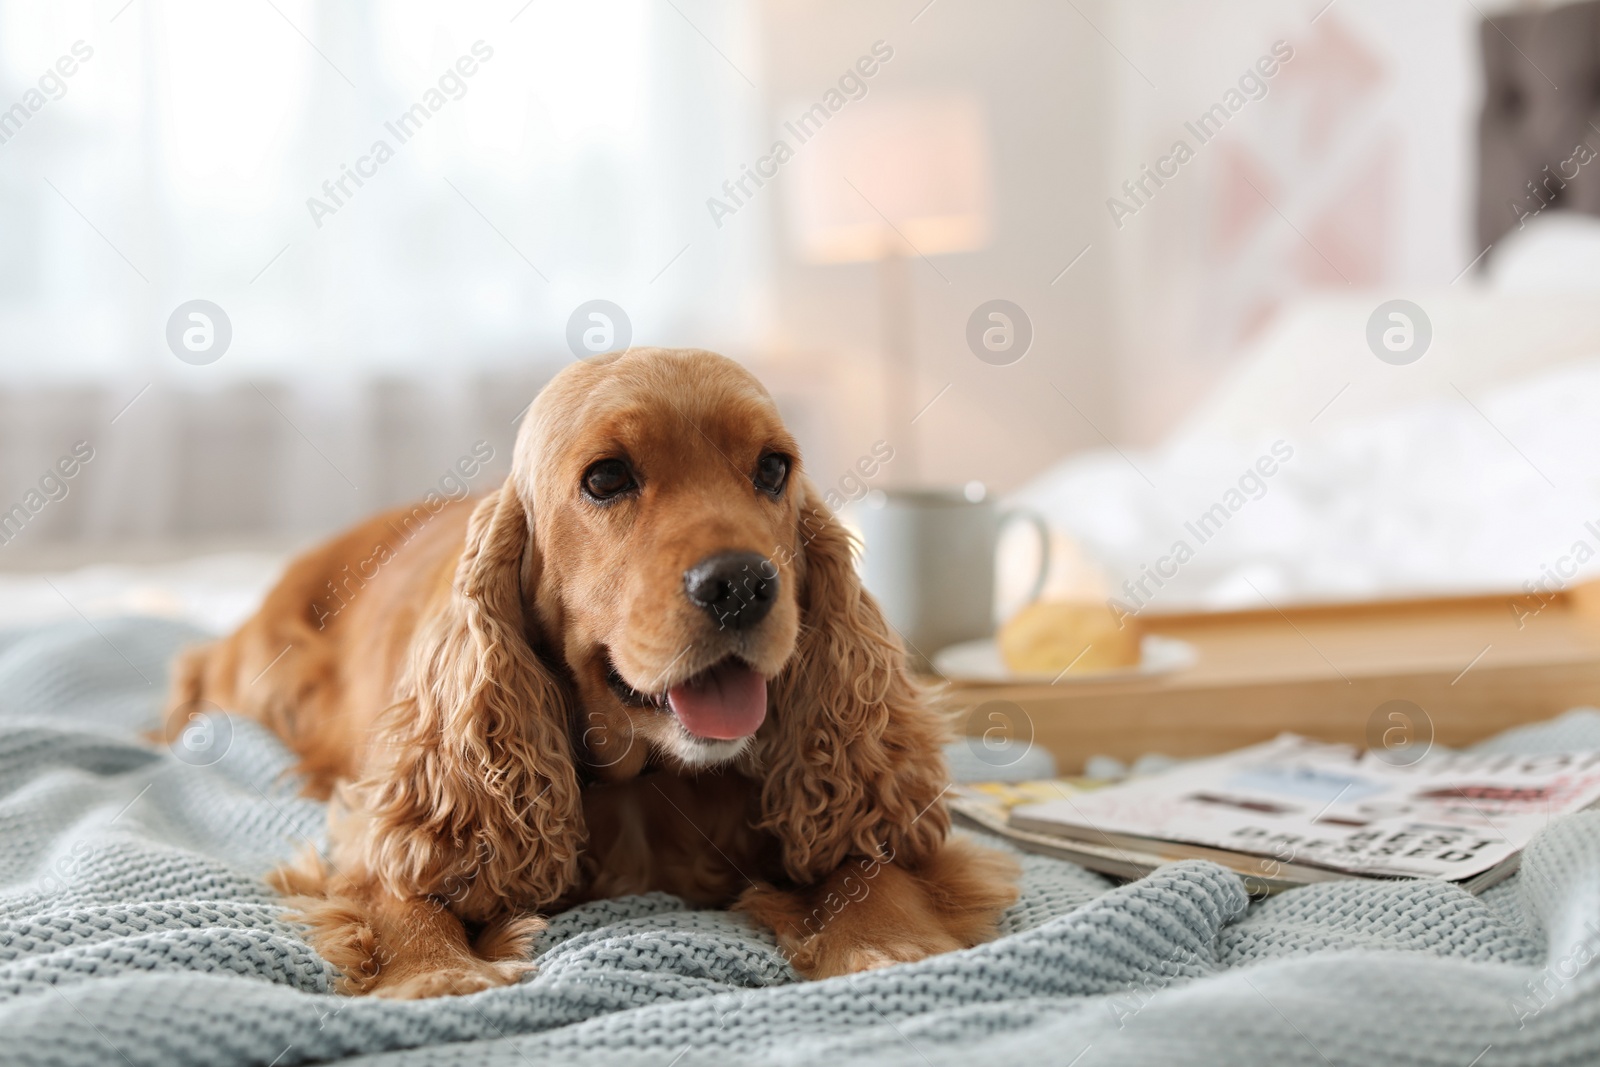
<point>134,927</point>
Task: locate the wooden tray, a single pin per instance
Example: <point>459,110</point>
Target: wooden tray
<point>1324,671</point>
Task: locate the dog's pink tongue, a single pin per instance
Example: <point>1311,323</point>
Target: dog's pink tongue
<point>725,703</point>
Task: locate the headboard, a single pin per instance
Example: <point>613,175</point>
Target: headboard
<point>1541,103</point>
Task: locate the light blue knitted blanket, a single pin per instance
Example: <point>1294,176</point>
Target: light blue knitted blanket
<point>134,928</point>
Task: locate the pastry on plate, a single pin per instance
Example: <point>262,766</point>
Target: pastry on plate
<point>1047,637</point>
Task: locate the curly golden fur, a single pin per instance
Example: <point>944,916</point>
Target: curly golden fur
<point>489,711</point>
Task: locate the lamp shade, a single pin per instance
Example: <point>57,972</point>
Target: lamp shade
<point>886,171</point>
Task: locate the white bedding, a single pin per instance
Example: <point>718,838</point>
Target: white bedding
<point>1474,468</point>
<point>1474,488</point>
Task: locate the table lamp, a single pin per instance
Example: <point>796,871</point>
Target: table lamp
<point>883,180</point>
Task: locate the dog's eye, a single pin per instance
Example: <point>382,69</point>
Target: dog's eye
<point>772,471</point>
<point>607,479</point>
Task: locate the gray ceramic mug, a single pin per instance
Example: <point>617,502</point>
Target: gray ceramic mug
<point>930,562</point>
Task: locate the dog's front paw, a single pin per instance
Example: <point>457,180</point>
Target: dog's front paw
<point>452,981</point>
<point>872,956</point>
<point>832,957</point>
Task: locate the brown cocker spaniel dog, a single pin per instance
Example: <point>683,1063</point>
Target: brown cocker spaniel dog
<point>645,662</point>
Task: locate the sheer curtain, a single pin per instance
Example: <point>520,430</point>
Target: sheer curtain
<point>387,200</point>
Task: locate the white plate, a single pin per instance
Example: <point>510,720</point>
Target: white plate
<point>979,661</point>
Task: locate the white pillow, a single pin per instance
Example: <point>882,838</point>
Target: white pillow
<point>1556,251</point>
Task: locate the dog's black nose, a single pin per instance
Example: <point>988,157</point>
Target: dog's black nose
<point>736,589</point>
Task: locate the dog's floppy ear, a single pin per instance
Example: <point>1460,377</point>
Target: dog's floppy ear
<point>478,800</point>
<point>856,765</point>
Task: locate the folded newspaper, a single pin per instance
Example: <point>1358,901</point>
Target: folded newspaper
<point>1294,811</point>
